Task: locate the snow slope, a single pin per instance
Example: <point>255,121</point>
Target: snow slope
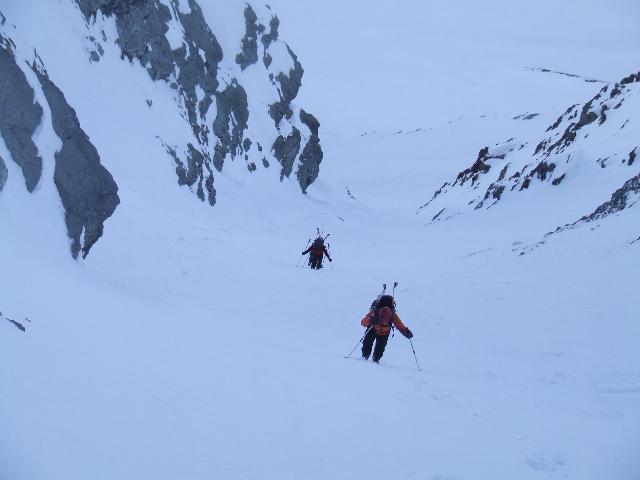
<point>197,355</point>
<point>192,342</point>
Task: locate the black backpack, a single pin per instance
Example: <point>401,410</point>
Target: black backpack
<point>381,302</point>
<point>317,247</point>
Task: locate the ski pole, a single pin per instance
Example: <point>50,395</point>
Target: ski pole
<point>298,264</point>
<point>414,355</point>
<point>393,293</point>
<point>354,348</point>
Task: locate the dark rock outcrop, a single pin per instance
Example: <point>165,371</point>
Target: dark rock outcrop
<point>541,171</point>
<point>565,74</point>
<point>526,116</point>
<point>249,54</point>
<point>311,122</point>
<point>272,36</point>
<point>309,163</point>
<point>20,115</point>
<point>633,78</point>
<point>474,173</point>
<point>503,172</point>
<point>479,167</point>
<point>558,181</point>
<point>142,26</point>
<point>567,114</point>
<point>562,144</point>
<point>194,71</point>
<point>289,86</point>
<point>233,110</point>
<point>197,171</point>
<point>3,174</point>
<point>16,324</point>
<point>87,190</point>
<point>286,150</point>
<point>268,38</point>
<point>619,201</point>
<point>594,109</point>
<point>312,155</point>
<point>191,72</point>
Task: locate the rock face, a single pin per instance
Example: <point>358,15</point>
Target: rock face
<point>312,153</point>
<point>249,54</point>
<point>286,150</point>
<point>268,38</point>
<point>582,143</point>
<point>474,175</point>
<point>87,190</point>
<point>3,174</point>
<point>623,198</point>
<point>237,105</point>
<point>194,69</point>
<point>20,115</point>
<point>286,147</point>
<point>193,174</point>
<point>142,28</point>
<point>289,86</point>
<point>620,199</point>
<point>232,110</point>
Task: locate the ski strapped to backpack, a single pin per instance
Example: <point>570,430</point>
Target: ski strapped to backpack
<point>384,289</point>
<point>318,244</point>
<point>381,294</point>
<point>376,307</point>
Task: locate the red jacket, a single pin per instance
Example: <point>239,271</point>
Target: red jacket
<point>385,329</point>
<point>317,250</point>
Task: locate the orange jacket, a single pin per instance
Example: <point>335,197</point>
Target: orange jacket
<point>385,329</point>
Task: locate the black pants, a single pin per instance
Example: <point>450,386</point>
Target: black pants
<point>367,344</point>
<point>315,261</point>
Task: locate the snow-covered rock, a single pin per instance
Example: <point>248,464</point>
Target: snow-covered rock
<point>20,115</point>
<point>87,189</point>
<point>589,150</point>
<point>212,102</point>
<point>178,47</point>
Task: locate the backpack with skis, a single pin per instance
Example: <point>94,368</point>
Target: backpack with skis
<point>379,321</point>
<point>382,310</point>
<point>317,251</point>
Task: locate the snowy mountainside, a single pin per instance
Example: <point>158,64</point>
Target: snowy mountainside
<point>87,190</point>
<point>204,350</point>
<point>576,164</point>
<point>201,106</point>
<point>194,343</point>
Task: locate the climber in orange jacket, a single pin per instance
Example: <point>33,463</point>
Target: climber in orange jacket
<point>379,321</point>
